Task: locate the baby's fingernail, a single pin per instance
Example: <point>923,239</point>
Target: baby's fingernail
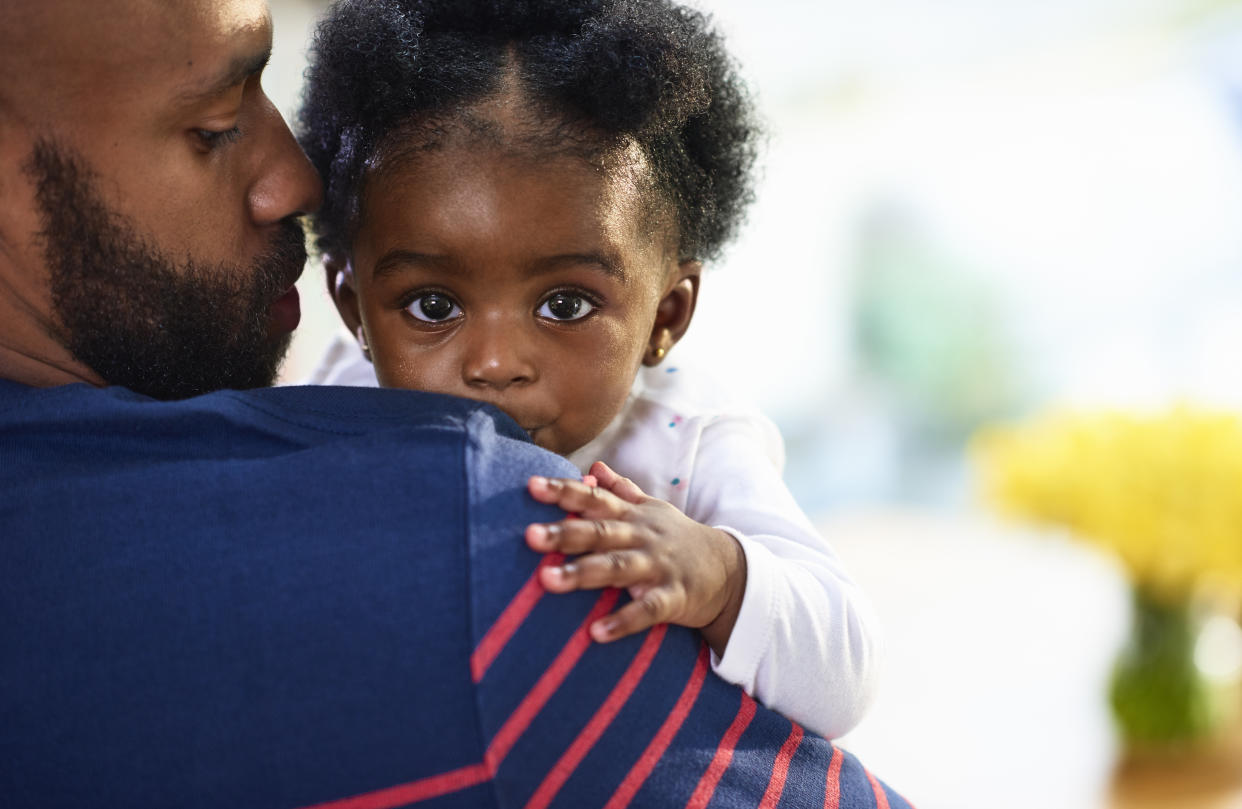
<point>537,534</point>
<point>538,480</point>
<point>602,629</point>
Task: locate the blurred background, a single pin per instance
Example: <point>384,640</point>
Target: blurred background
<point>969,213</point>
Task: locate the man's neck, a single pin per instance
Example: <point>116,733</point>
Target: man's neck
<point>41,372</point>
<point>30,352</point>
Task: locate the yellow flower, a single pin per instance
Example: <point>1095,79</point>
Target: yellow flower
<point>1163,491</point>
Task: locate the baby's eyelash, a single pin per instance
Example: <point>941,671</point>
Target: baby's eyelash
<point>587,295</point>
<point>414,294</point>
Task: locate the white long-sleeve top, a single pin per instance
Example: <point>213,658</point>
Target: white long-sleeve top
<point>805,642</point>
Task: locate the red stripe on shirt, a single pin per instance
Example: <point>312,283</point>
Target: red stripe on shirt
<point>780,768</point>
<point>663,737</point>
<point>590,734</point>
<point>436,785</point>
<point>881,800</point>
<point>724,755</point>
<point>547,683</point>
<point>832,786</point>
<point>510,619</point>
<point>515,613</point>
<point>420,790</point>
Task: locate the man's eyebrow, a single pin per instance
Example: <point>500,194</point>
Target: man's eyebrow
<point>237,71</point>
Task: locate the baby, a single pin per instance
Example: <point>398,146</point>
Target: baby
<point>519,199</point>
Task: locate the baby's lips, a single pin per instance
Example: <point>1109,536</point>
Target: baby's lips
<point>528,424</point>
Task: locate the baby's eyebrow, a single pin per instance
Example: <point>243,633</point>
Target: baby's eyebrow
<point>394,261</point>
<point>606,263</point>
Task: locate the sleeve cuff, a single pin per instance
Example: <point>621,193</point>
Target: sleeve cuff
<point>749,640</point>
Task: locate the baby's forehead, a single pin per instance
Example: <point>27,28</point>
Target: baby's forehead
<point>614,171</point>
<point>515,131</point>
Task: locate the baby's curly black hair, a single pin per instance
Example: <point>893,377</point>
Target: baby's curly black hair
<point>647,72</point>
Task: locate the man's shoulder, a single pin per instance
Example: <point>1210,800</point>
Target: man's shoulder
<point>238,424</point>
<point>258,598</point>
<point>237,457</point>
<point>326,409</point>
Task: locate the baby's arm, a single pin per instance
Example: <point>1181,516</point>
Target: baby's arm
<point>805,642</point>
<point>677,570</point>
<point>783,619</point>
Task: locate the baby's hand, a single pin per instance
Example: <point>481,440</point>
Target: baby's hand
<point>676,570</point>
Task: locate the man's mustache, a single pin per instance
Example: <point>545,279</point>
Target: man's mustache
<point>282,263</point>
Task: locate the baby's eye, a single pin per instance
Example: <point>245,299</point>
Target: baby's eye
<point>433,307</point>
<point>565,306</point>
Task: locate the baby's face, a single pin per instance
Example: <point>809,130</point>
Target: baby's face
<point>527,283</point>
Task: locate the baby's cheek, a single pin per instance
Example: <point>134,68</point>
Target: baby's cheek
<point>609,400</point>
<point>585,414</point>
<point>399,369</point>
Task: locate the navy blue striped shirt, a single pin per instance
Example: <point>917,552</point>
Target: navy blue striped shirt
<point>320,598</point>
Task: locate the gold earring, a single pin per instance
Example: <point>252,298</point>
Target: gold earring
<point>660,352</point>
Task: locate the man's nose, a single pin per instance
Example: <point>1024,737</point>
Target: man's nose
<point>497,356</point>
<point>287,184</point>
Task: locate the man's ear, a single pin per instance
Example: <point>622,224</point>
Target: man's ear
<point>674,313</point>
<point>343,288</point>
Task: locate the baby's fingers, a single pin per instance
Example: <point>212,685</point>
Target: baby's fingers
<point>622,487</point>
<point>580,536</point>
<point>577,497</point>
<point>596,570</point>
<point>654,607</point>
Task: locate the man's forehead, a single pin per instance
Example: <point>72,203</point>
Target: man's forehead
<point>100,18</point>
<point>235,41</point>
<point>226,20</point>
<point>180,40</point>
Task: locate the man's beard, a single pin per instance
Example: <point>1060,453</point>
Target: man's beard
<point>138,318</point>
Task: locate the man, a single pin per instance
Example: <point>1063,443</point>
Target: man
<point>150,193</point>
<point>279,597</point>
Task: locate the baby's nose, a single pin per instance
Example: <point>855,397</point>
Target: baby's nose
<point>497,357</point>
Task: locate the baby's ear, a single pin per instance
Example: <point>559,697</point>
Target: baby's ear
<point>674,313</point>
<point>342,287</point>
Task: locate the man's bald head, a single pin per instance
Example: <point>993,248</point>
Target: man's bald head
<point>155,109</point>
<point>57,55</point>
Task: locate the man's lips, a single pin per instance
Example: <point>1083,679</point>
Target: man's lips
<point>286,312</point>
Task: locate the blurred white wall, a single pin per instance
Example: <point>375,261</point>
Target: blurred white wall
<point>1082,158</point>
<point>293,24</point>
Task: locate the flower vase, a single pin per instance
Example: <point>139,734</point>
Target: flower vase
<point>1160,698</point>
<point>1179,725</point>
